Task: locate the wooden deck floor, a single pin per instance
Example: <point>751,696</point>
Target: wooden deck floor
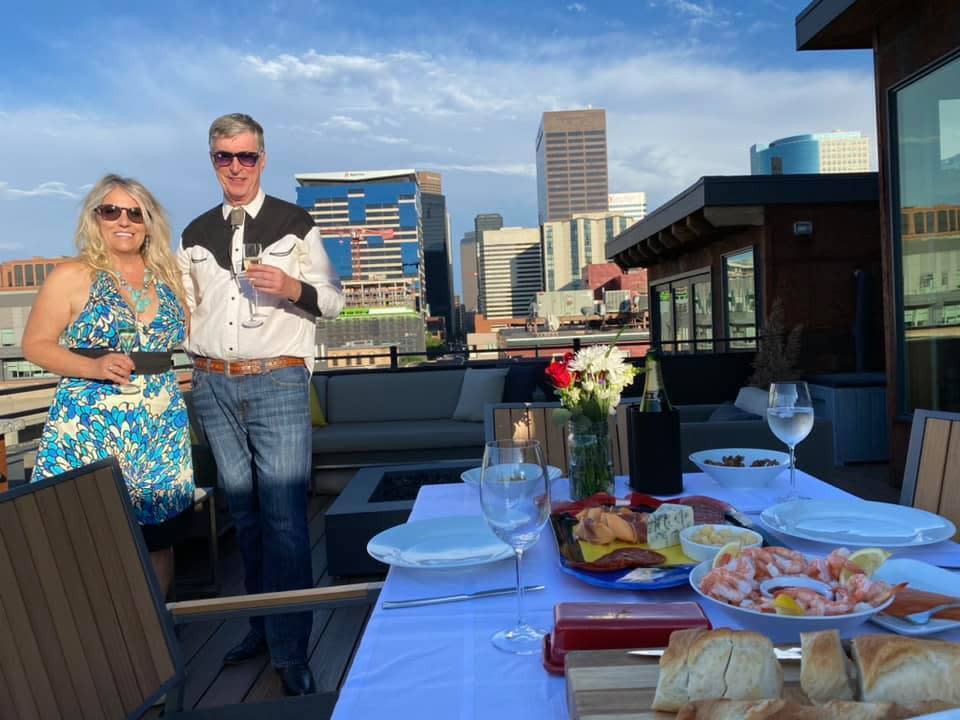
<point>333,642</point>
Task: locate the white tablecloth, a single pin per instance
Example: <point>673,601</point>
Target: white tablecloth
<point>438,661</point>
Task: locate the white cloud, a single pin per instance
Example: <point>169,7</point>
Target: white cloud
<point>519,169</point>
<point>50,188</point>
<point>577,7</point>
<point>346,123</point>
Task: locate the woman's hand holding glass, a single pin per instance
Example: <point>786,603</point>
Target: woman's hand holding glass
<point>115,368</point>
<point>515,497</point>
<point>129,341</point>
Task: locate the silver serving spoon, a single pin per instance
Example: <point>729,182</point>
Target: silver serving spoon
<point>922,618</point>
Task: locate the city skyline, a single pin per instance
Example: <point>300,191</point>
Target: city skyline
<point>458,91</point>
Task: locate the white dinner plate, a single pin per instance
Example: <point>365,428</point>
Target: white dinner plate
<point>472,476</point>
<point>919,576</point>
<point>447,542</point>
<point>858,523</point>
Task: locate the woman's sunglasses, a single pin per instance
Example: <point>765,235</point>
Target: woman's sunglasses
<point>221,158</point>
<point>112,212</point>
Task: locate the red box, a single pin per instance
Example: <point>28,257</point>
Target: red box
<point>612,626</point>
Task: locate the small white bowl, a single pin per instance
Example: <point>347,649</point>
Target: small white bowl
<point>741,477</point>
<point>781,628</point>
<point>471,477</point>
<point>701,551</point>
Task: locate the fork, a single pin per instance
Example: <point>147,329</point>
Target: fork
<point>922,618</point>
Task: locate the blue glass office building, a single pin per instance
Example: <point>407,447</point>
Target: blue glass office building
<point>834,152</point>
<point>352,210</point>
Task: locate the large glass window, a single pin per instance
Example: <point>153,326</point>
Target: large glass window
<point>683,313</point>
<point>927,146</point>
<point>741,289</point>
<point>665,317</point>
<point>703,315</point>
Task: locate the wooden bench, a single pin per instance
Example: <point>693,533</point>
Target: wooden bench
<point>931,480</point>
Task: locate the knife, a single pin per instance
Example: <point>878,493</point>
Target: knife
<point>786,654</point>
<point>738,518</point>
<point>416,602</point>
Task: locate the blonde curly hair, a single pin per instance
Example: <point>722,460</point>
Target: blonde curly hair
<point>157,254</point>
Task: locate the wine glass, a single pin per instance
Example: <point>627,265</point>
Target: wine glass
<point>251,256</point>
<point>515,497</point>
<point>129,340</point>
<point>790,417</point>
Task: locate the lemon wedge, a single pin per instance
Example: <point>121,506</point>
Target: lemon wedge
<point>730,551</point>
<point>786,605</point>
<point>867,559</point>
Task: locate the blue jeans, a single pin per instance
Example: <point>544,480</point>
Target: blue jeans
<point>259,429</point>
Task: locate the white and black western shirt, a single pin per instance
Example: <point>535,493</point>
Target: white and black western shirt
<point>211,256</point>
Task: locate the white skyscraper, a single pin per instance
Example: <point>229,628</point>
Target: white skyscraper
<point>509,263</point>
<point>629,204</point>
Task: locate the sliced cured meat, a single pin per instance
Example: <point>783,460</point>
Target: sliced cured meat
<point>622,559</point>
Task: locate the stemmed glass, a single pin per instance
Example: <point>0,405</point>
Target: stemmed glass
<point>515,497</point>
<point>129,340</point>
<point>251,256</point>
<point>790,417</point>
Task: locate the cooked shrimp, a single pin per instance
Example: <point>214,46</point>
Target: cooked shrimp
<point>726,586</point>
<point>813,603</point>
<point>743,566</point>
<point>773,562</point>
<point>860,589</point>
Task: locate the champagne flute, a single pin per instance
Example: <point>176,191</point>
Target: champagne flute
<point>790,417</point>
<point>129,340</point>
<point>515,497</point>
<point>251,256</point>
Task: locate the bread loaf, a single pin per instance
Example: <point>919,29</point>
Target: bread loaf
<point>826,672</point>
<point>907,670</point>
<point>784,710</point>
<point>708,664</point>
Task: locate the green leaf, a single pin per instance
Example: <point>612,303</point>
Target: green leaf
<point>560,416</point>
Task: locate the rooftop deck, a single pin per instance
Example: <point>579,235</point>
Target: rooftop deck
<point>335,636</point>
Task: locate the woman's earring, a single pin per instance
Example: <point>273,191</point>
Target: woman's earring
<point>145,246</point>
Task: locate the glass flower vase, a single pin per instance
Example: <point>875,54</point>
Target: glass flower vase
<point>590,464</point>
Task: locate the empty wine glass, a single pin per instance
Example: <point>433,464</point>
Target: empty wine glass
<point>515,497</point>
<point>129,340</point>
<point>251,256</point>
<point>790,417</point>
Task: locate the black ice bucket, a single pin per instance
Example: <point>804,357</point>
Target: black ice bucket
<point>654,451</point>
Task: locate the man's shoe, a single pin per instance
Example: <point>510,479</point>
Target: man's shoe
<point>297,679</point>
<point>251,646</point>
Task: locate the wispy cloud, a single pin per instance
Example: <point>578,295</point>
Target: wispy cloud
<point>51,188</point>
<point>518,169</point>
<point>346,122</point>
<point>698,12</point>
<point>577,7</point>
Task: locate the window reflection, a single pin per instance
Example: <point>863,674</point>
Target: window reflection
<point>928,155</point>
<point>741,300</point>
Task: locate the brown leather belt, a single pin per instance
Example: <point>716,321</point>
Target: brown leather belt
<point>246,367</point>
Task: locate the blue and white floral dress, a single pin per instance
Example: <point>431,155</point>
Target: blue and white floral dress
<point>148,432</point>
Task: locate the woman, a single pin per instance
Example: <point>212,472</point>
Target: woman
<point>125,274</point>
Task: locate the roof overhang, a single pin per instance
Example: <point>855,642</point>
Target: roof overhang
<point>841,24</point>
<point>713,206</point>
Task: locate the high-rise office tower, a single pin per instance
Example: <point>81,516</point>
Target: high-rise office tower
<point>509,262</point>
<point>352,210</point>
<point>629,204</point>
<point>570,245</point>
<point>484,221</point>
<point>571,164</point>
<point>436,247</point>
<point>468,271</point>
<point>833,152</point>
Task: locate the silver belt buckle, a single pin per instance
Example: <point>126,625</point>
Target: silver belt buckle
<point>226,368</point>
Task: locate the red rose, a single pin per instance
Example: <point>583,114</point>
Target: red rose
<point>558,375</point>
<point>567,357</point>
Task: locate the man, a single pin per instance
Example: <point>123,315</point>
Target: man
<point>252,343</point>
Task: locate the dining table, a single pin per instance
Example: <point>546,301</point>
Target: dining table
<point>438,661</point>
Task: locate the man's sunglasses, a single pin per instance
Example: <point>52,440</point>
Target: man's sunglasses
<point>222,158</point>
<point>112,212</point>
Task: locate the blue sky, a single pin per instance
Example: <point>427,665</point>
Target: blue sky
<point>688,86</point>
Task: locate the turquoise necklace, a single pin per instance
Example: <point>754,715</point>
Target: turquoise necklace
<point>141,298</point>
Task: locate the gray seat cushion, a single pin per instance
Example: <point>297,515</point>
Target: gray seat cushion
<point>392,396</point>
<point>729,412</point>
<point>396,435</point>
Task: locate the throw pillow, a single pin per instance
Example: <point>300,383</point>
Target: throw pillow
<point>729,412</point>
<point>317,418</point>
<point>752,400</point>
<point>479,388</point>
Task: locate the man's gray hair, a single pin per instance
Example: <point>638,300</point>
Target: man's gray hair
<point>228,126</point>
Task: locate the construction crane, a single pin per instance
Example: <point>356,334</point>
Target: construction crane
<point>356,235</point>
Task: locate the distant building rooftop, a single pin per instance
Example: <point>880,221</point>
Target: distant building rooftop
<point>326,178</point>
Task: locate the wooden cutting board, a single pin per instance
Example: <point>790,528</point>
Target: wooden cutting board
<point>612,685</point>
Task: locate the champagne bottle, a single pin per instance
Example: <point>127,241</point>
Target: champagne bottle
<point>654,393</point>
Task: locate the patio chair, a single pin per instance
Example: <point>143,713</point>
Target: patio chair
<point>83,629</point>
<point>931,480</point>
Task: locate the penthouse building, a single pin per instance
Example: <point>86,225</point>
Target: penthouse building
<point>27,273</point>
<point>833,152</point>
<point>571,164</point>
<point>631,205</point>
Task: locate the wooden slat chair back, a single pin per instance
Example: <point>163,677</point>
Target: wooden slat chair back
<point>532,421</point>
<point>81,632</point>
<point>84,632</point>
<point>931,480</point>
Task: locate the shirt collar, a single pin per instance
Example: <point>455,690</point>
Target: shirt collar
<point>252,208</point>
